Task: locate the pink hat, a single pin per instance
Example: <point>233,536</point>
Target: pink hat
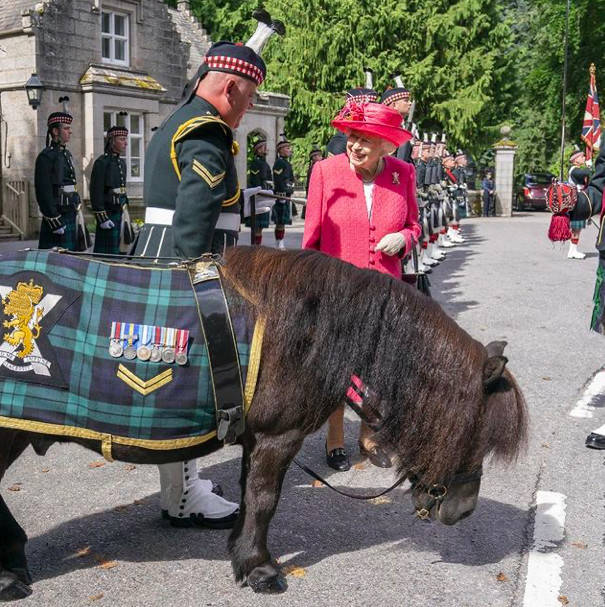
<point>372,119</point>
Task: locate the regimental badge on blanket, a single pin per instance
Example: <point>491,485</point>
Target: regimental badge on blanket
<point>149,343</point>
<point>31,306</point>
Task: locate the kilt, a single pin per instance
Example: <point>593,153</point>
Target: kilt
<point>69,383</point>
<point>108,241</point>
<point>157,241</point>
<point>262,220</point>
<point>579,224</point>
<point>280,214</point>
<point>68,240</point>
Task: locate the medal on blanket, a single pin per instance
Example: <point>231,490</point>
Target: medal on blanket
<point>156,354</point>
<point>182,339</point>
<point>130,352</point>
<point>144,351</point>
<point>168,351</point>
<point>115,346</point>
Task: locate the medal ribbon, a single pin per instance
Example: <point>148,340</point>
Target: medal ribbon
<point>170,335</point>
<point>146,331</point>
<point>182,338</point>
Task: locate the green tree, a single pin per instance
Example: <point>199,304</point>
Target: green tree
<point>537,113</point>
<point>458,58</point>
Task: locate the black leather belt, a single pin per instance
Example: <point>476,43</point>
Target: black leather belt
<point>222,352</point>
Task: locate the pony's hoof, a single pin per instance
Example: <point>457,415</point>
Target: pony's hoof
<point>12,588</point>
<point>267,580</point>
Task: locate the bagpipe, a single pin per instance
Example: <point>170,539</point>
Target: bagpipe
<point>561,199</point>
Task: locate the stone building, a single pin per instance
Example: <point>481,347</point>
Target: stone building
<point>118,61</point>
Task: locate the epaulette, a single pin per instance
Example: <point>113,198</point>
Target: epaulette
<point>192,125</point>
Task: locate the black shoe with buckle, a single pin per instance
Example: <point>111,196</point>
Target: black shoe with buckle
<point>378,456</point>
<point>595,441</point>
<point>338,459</point>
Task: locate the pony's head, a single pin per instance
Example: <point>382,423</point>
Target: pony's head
<point>444,402</point>
<point>499,430</point>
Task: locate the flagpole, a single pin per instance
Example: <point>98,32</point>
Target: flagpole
<point>564,90</point>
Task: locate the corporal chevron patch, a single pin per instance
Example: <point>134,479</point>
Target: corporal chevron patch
<point>206,175</point>
<point>141,386</point>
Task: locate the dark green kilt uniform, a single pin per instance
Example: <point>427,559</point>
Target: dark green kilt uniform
<point>191,192</point>
<point>259,174</point>
<point>108,241</point>
<point>68,240</point>
<point>280,213</point>
<point>283,179</point>
<point>591,201</point>
<point>107,198</point>
<point>54,174</point>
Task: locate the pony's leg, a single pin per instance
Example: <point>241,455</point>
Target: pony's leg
<point>15,579</point>
<point>263,469</point>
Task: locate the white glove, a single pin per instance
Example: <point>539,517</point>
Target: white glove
<point>249,192</point>
<point>59,231</point>
<point>107,225</point>
<point>263,204</point>
<point>589,162</point>
<point>390,244</point>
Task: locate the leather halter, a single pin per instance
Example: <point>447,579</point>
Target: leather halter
<point>438,491</point>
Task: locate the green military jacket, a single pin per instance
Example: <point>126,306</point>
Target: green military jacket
<point>54,168</point>
<point>108,176</point>
<point>190,168</point>
<point>591,200</point>
<point>259,173</point>
<point>283,176</point>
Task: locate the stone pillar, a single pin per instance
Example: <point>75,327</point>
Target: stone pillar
<point>504,177</point>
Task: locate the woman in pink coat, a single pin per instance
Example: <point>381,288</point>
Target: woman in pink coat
<point>361,208</point>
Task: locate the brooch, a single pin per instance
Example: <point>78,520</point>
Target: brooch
<point>395,177</point>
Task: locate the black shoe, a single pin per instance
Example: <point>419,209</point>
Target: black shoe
<point>338,459</point>
<point>595,441</point>
<point>199,520</point>
<point>378,456</point>
<point>216,489</point>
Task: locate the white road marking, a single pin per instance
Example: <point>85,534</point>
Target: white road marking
<point>543,584</point>
<point>595,388</point>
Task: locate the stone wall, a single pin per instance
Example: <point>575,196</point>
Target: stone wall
<point>69,40</point>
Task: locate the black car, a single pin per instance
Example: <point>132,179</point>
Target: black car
<point>530,191</point>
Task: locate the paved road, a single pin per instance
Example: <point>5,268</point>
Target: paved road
<point>507,282</point>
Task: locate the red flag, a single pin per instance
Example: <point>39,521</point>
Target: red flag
<point>591,128</point>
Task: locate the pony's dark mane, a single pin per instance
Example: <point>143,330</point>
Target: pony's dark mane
<point>327,319</point>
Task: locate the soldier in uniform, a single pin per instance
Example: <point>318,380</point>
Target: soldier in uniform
<point>283,180</point>
<point>259,175</point>
<point>579,175</point>
<point>108,191</point>
<point>55,185</point>
<point>452,185</point>
<point>591,202</point>
<point>192,207</point>
<point>399,98</point>
<point>367,94</point>
<point>431,255</point>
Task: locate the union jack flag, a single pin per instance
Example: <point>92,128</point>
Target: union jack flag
<point>591,128</point>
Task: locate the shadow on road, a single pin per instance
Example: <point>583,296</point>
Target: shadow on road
<point>312,523</point>
<point>447,285</point>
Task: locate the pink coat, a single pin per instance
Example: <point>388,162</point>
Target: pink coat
<point>337,218</point>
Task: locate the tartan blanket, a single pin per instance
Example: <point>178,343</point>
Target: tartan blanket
<point>56,370</point>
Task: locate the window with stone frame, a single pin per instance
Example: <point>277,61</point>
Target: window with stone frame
<point>115,37</point>
<point>135,151</point>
